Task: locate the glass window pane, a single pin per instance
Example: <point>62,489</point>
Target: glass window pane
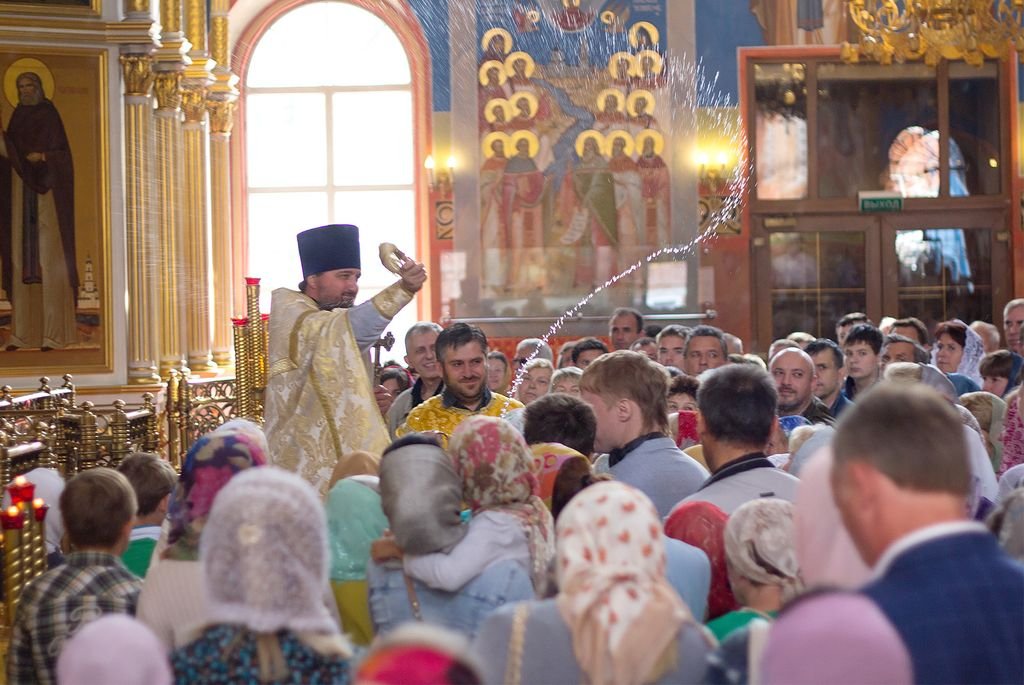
<point>816,278</point>
<point>781,135</point>
<point>274,221</point>
<point>287,140</point>
<point>338,45</point>
<point>383,216</point>
<point>975,151</point>
<point>862,110</point>
<point>373,138</point>
<point>945,273</point>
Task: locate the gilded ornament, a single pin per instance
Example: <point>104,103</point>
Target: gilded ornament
<point>222,115</point>
<point>167,86</point>
<point>137,71</point>
<point>193,103</point>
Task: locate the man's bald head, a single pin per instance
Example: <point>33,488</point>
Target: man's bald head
<point>793,372</point>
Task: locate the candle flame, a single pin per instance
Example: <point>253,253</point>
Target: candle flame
<point>13,511</point>
<point>38,503</point>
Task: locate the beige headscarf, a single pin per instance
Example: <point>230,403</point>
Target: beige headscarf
<point>356,463</point>
<point>620,609</point>
<point>760,545</point>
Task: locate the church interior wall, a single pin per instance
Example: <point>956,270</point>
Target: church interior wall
<point>721,277</point>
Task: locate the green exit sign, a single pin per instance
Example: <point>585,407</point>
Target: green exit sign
<point>880,201</point>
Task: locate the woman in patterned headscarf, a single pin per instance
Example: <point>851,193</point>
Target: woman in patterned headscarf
<point>171,601</point>
<point>615,619</point>
<point>509,520</point>
<point>760,551</point>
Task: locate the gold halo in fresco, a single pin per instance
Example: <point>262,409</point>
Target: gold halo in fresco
<point>492,64</point>
<point>497,103</point>
<point>620,100</point>
<point>530,137</point>
<point>489,141</point>
<point>19,67</point>
<point>637,95</point>
<point>657,61</point>
<point>531,66</point>
<point>587,135</point>
<point>659,141</point>
<point>613,64</point>
<point>485,43</point>
<point>619,134</point>
<point>652,31</point>
<point>530,98</point>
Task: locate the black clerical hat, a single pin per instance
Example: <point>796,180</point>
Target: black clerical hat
<point>328,248</point>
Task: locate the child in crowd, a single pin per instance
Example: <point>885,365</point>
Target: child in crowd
<point>153,480</point>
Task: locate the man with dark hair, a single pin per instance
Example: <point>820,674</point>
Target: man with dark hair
<point>737,405</point>
<point>672,346</point>
<point>861,353</point>
<point>705,349</point>
<point>830,375</point>
<point>98,508</point>
<point>627,392</point>
<point>625,327</point>
<point>462,351</point>
<point>794,375</point>
<point>901,482</point>
<point>899,348</point>
<point>847,322</point>
<point>421,357</point>
<point>646,346</point>
<point>321,403</point>
<point>153,480</point>
<point>587,350</point>
<point>913,328</point>
<point>564,419</point>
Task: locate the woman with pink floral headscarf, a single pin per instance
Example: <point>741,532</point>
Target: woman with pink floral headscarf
<point>615,619</point>
<point>171,601</point>
<point>509,520</point>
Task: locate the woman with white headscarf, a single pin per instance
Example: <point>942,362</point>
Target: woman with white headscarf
<point>265,560</point>
<point>957,352</point>
<point>615,618</point>
<point>760,551</point>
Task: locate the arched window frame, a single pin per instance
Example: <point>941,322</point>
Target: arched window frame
<point>401,19</point>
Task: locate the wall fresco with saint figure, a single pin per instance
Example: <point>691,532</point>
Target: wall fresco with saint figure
<point>574,187</point>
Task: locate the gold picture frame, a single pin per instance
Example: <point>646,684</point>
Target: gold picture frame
<point>52,8</point>
<point>75,81</point>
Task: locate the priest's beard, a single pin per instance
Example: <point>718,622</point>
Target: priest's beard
<point>344,302</point>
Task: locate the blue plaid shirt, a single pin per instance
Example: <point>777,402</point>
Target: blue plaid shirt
<point>59,602</point>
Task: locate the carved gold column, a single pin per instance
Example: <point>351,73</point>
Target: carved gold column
<point>221,99</point>
<point>197,79</point>
<point>137,72</point>
<point>169,65</point>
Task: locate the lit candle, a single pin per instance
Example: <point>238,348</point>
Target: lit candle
<point>428,164</point>
<point>21,490</point>
<point>12,519</point>
<point>40,508</point>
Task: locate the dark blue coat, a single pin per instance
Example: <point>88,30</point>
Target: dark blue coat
<point>958,603</point>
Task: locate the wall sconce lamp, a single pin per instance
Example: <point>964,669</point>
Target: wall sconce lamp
<point>712,175</point>
<point>441,181</point>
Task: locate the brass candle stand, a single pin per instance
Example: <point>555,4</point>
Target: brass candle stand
<point>24,542</point>
<point>251,337</point>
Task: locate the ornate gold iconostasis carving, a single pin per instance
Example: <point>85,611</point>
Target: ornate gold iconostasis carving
<point>115,215</point>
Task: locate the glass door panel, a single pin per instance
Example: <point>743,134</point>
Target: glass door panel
<point>816,277</point>
<point>944,273</point>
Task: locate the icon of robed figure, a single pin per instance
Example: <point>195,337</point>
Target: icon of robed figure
<point>37,221</point>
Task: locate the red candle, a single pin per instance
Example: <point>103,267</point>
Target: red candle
<point>239,322</point>
<point>39,509</point>
<point>249,280</point>
<point>21,490</point>
<point>12,519</point>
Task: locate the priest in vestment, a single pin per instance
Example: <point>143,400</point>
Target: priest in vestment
<point>320,403</point>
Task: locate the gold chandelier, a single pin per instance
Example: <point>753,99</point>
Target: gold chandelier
<point>911,30</point>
